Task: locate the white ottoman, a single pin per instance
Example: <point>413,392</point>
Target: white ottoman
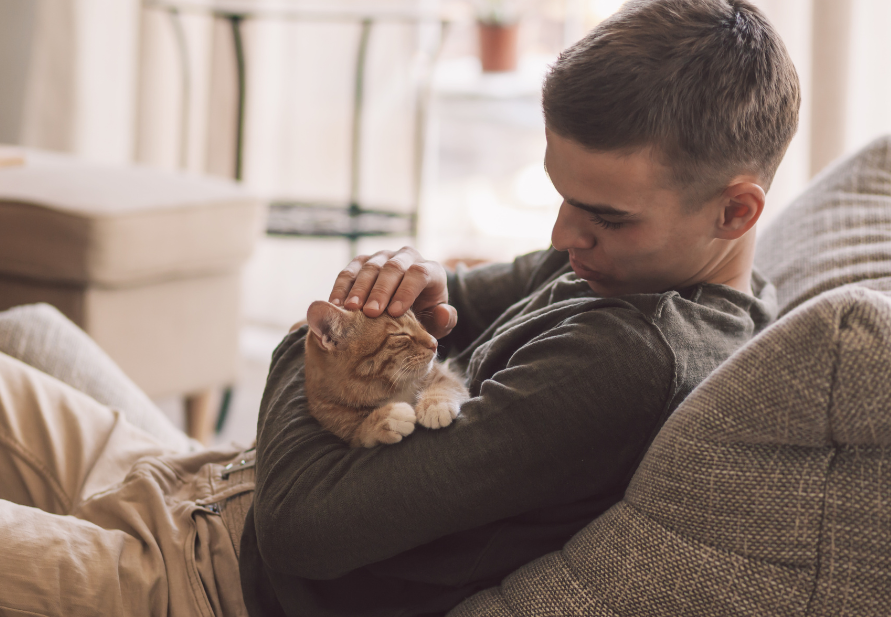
<point>147,262</point>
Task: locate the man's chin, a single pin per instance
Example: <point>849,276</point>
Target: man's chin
<point>603,288</point>
<point>608,287</point>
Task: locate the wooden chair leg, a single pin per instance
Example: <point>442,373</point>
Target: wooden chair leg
<point>200,419</point>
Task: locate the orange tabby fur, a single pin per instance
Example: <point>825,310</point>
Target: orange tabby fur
<point>369,381</point>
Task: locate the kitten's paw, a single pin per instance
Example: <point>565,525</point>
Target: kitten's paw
<point>436,412</point>
<point>389,424</point>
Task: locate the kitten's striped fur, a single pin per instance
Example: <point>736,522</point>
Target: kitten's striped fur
<point>369,381</point>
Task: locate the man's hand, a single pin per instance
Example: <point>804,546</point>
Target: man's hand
<point>396,281</point>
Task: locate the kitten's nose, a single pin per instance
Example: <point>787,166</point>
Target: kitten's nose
<point>432,344</point>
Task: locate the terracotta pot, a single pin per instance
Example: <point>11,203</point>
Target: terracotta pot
<point>498,46</point>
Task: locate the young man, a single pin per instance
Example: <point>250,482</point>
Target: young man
<point>665,126</point>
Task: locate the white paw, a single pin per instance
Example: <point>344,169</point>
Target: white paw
<point>437,412</point>
<point>391,424</point>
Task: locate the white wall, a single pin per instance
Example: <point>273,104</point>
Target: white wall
<point>793,20</point>
<point>842,52</point>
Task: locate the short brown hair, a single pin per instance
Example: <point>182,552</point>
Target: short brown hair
<point>707,83</point>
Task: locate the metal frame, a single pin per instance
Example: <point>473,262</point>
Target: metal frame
<point>238,45</point>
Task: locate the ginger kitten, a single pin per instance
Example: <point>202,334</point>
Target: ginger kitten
<point>369,381</point>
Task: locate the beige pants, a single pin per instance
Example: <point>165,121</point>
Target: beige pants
<point>97,518</point>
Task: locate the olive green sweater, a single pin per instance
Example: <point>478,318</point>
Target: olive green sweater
<point>568,390</point>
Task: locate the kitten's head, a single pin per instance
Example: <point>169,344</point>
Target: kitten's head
<point>396,349</point>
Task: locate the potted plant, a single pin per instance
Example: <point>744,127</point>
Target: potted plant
<point>498,22</point>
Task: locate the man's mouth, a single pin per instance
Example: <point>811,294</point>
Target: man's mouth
<point>585,273</point>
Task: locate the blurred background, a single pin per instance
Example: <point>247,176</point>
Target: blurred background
<point>156,83</point>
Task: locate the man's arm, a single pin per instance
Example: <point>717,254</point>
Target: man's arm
<point>482,294</point>
<point>565,418</point>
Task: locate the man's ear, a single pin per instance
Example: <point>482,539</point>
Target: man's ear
<point>742,203</point>
<point>326,322</point>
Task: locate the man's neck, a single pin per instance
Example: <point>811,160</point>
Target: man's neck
<point>735,267</point>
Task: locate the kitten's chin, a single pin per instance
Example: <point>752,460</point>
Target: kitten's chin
<point>415,375</point>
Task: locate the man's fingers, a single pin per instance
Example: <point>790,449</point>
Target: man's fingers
<point>440,320</point>
<point>393,281</point>
<point>398,281</point>
<point>344,282</point>
<point>365,280</point>
<point>413,283</point>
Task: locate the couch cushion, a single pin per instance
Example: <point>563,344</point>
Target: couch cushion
<point>39,335</point>
<point>766,493</point>
<point>68,220</point>
<point>837,232</point>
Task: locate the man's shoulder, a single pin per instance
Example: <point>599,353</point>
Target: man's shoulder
<point>700,326</point>
<point>707,305</point>
<point>705,324</point>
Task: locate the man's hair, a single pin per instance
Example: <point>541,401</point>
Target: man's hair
<point>707,83</point>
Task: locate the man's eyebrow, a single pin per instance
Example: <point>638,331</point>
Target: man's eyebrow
<point>602,209</point>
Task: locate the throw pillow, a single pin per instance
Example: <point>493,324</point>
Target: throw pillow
<point>836,233</point>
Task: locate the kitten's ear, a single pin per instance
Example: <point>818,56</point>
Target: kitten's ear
<point>326,322</point>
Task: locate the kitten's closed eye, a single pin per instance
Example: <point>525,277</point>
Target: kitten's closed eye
<point>399,340</point>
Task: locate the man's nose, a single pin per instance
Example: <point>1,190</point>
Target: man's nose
<point>570,231</point>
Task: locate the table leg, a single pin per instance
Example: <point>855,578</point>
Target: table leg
<point>200,418</point>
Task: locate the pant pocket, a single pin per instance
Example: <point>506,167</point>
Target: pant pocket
<point>214,562</point>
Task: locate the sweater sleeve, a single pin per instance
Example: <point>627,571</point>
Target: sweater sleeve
<point>484,293</point>
<point>565,418</point>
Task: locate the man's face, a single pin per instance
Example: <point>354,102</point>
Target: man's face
<point>625,229</point>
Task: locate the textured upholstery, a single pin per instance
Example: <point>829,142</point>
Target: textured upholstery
<point>837,232</point>
<point>766,493</point>
<point>68,220</point>
<point>39,335</point>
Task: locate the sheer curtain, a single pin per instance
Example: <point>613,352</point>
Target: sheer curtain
<point>103,81</point>
<point>80,65</point>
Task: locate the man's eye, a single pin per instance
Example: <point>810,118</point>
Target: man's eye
<point>604,223</point>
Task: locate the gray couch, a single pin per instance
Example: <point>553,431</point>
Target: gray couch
<point>768,492</point>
